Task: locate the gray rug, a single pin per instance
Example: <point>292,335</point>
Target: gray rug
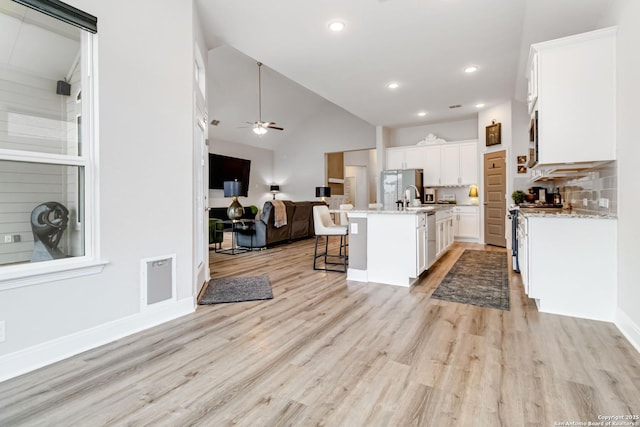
<point>236,289</point>
<point>477,278</point>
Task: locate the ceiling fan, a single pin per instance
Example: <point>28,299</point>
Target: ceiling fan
<point>260,127</point>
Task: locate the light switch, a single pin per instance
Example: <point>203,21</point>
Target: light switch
<point>354,228</point>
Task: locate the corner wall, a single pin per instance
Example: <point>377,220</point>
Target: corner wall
<point>627,16</point>
<point>146,190</point>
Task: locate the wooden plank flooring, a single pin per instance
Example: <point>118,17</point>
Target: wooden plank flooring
<point>327,352</point>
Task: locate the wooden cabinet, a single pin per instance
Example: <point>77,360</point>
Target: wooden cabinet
<point>466,223</point>
<point>572,86</point>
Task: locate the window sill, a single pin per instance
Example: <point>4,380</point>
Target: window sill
<point>47,271</point>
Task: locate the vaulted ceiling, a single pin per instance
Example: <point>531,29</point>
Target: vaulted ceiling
<point>423,45</point>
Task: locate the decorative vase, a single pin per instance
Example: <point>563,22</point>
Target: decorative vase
<point>235,210</point>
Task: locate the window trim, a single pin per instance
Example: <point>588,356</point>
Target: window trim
<point>28,274</point>
<point>63,12</point>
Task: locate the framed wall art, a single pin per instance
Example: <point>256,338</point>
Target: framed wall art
<point>493,134</point>
<point>522,160</point>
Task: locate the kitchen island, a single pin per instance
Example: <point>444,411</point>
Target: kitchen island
<point>395,246</point>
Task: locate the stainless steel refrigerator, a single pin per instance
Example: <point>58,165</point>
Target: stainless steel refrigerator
<point>395,182</point>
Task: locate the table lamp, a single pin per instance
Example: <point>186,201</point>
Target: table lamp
<point>234,189</point>
<point>473,193</point>
<point>275,189</point>
<point>323,192</point>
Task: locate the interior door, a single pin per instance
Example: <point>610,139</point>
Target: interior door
<point>495,207</point>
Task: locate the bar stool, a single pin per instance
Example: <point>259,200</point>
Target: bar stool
<point>324,226</point>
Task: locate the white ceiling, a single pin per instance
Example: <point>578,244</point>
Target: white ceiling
<point>424,45</point>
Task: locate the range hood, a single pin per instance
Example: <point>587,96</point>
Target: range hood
<point>551,171</point>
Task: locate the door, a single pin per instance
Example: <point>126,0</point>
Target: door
<point>495,208</point>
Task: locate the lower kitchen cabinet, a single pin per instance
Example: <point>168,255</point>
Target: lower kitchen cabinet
<point>444,231</point>
<point>568,265</point>
<point>466,224</point>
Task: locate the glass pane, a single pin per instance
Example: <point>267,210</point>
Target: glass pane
<point>40,79</point>
<point>39,212</point>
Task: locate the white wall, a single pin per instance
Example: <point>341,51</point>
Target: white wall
<point>260,177</point>
<point>627,16</point>
<point>449,131</point>
<point>146,188</point>
<point>299,161</point>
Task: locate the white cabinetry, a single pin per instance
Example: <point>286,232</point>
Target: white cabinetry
<point>421,243</point>
<point>453,164</point>
<point>444,231</point>
<point>405,158</point>
<point>466,222</point>
<point>568,265</point>
<point>431,175</point>
<point>573,80</point>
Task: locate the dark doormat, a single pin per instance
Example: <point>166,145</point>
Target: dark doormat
<point>477,278</point>
<point>236,289</point>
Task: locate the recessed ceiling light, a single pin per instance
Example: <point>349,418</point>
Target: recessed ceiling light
<point>393,85</point>
<point>422,113</point>
<point>336,26</point>
<point>479,105</point>
<point>471,69</point>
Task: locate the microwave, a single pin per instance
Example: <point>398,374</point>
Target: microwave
<point>533,140</point>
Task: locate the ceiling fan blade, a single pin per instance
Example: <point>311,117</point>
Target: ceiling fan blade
<point>274,127</point>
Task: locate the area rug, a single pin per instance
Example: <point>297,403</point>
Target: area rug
<point>236,289</point>
<point>477,278</point>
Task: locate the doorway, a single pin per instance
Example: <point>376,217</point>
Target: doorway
<point>495,208</point>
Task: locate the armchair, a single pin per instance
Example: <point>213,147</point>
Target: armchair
<point>216,233</point>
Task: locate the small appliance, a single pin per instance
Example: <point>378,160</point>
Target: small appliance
<point>430,195</point>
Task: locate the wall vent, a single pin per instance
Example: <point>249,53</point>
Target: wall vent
<point>158,280</point>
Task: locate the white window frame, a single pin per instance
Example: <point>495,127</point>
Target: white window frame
<point>27,274</point>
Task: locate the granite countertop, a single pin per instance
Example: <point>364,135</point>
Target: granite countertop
<point>429,209</point>
<point>561,213</point>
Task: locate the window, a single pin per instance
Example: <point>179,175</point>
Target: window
<point>47,168</point>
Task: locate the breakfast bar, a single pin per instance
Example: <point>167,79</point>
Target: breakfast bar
<point>395,247</point>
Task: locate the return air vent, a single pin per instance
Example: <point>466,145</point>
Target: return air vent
<point>158,280</point>
<point>455,106</point>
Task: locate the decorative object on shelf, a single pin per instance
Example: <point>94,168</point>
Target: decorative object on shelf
<point>518,196</point>
<point>473,194</point>
<point>493,134</point>
<point>431,139</point>
<point>323,192</point>
<point>522,169</point>
<point>274,189</point>
<point>48,222</point>
<point>522,160</point>
<point>233,189</point>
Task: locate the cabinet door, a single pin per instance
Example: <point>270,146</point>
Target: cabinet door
<point>421,251</point>
<point>450,165</point>
<point>468,225</point>
<point>468,163</point>
<point>395,158</point>
<point>414,158</point>
<point>431,161</point>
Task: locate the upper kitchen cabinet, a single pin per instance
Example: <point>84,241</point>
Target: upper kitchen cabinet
<point>572,87</point>
<point>405,158</point>
<point>459,164</point>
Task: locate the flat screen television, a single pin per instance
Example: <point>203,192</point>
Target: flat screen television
<point>225,168</point>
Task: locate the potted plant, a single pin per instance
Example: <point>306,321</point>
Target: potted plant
<point>518,196</point>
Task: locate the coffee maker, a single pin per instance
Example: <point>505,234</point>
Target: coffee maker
<point>430,195</point>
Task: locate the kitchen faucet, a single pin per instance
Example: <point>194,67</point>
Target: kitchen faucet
<point>406,199</point>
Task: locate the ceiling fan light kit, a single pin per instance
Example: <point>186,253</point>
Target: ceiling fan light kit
<point>260,127</point>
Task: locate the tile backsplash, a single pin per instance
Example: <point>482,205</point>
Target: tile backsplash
<point>599,183</point>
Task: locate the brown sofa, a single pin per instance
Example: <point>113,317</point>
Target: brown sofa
<point>264,233</point>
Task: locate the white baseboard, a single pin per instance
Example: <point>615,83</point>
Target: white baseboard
<point>357,275</point>
<point>29,359</point>
<point>628,328</point>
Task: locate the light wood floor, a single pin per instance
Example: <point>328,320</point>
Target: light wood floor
<point>327,352</point>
